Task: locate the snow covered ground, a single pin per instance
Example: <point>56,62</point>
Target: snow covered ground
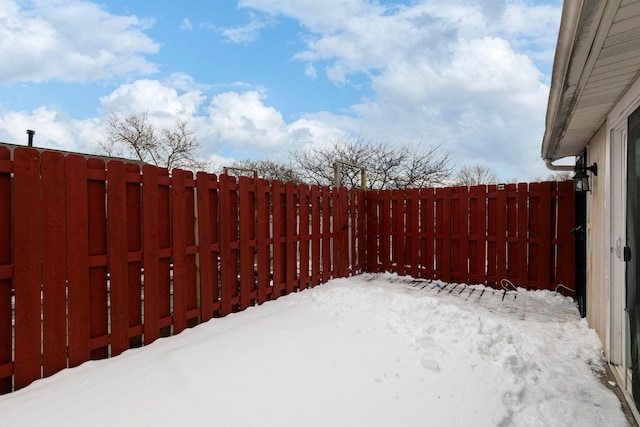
<point>373,350</point>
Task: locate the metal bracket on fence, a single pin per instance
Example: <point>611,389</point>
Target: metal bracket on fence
<point>337,170</point>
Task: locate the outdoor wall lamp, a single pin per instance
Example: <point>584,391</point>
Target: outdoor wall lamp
<point>581,179</point>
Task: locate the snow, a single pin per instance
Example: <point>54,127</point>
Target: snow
<point>371,350</point>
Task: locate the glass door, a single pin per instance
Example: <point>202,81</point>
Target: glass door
<point>632,249</point>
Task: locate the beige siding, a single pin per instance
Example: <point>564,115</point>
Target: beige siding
<point>597,231</point>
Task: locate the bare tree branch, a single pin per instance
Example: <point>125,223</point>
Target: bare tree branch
<point>134,137</point>
<point>387,166</point>
<point>475,175</point>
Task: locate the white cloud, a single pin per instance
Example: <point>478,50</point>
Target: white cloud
<point>242,120</point>
<point>465,74</point>
<point>161,100</point>
<point>70,40</point>
<point>54,129</point>
<point>186,24</point>
<point>318,16</point>
<point>247,33</point>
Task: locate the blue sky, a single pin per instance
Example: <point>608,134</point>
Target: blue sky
<point>261,78</point>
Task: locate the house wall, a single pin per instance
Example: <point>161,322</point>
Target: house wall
<point>597,237</point>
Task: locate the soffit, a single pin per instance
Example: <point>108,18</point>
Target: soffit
<point>593,68</point>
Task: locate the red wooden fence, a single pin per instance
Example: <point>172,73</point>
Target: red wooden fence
<point>96,257</point>
<point>476,235</point>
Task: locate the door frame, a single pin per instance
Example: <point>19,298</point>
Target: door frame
<point>617,203</point>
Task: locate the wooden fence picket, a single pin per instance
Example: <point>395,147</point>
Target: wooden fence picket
<point>305,236</point>
<point>118,254</point>
<point>98,258</point>
<point>564,240</point>
<point>6,274</point>
<point>291,215</point>
<point>316,236</point>
<point>54,271</point>
<point>278,207</point>
<point>27,279</point>
<point>134,253</point>
<point>247,214</point>
<point>151,257</point>
<point>263,240</point>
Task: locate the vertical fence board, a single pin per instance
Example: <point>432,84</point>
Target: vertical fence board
<point>305,236</point>
<point>54,251</point>
<point>361,235</point>
<point>118,262</point>
<point>214,239</point>
<point>427,232</point>
<point>27,249</point>
<point>492,236</point>
<point>165,253</point>
<point>476,249</point>
<point>98,255</point>
<point>511,231</point>
<point>385,230</point>
<point>341,233</point>
<point>151,256</point>
<point>501,235</point>
<point>523,231</point>
<point>179,244</point>
<point>291,224</point>
<point>372,231</point>
<point>134,249</point>
<point>204,246</point>
<point>443,234</point>
<point>264,248</point>
<point>326,234</point>
<point>566,243</point>
<point>229,243</point>
<point>483,230</point>
<point>6,275</point>
<point>191,292</point>
<point>534,235</point>
<point>545,236</point>
<point>247,235</point>
<point>412,243</point>
<point>460,224</point>
<point>316,221</point>
<point>397,230</point>
<point>279,233</point>
<point>77,238</point>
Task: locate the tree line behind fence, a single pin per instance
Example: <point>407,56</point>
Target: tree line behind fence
<point>96,257</point>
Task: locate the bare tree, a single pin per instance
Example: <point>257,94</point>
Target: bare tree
<point>475,175</point>
<point>387,166</point>
<point>269,169</point>
<point>134,136</point>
